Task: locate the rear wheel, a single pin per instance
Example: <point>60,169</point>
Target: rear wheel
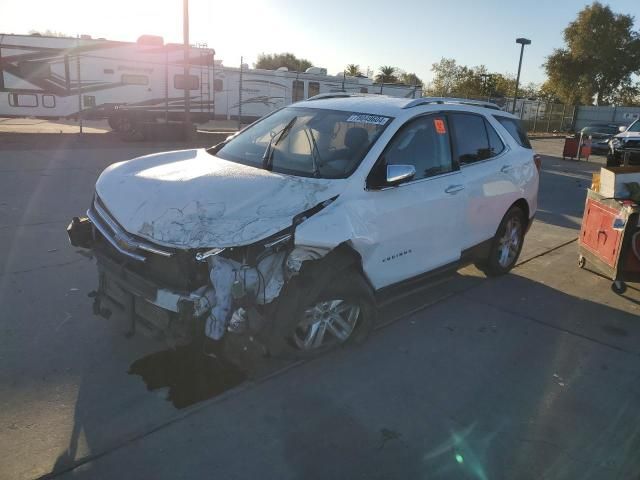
<point>124,124</point>
<point>507,243</point>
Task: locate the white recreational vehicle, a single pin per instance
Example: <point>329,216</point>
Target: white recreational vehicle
<point>140,82</point>
<point>52,77</point>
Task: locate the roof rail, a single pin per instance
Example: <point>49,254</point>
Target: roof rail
<point>323,96</point>
<point>459,101</point>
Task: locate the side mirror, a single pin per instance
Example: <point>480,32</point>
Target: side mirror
<point>622,129</point>
<point>399,173</point>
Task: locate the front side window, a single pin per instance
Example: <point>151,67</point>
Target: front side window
<point>470,138</point>
<point>307,142</point>
<point>423,143</point>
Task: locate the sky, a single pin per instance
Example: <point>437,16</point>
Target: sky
<point>408,34</point>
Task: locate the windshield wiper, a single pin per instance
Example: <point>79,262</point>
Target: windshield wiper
<point>314,151</point>
<point>267,157</point>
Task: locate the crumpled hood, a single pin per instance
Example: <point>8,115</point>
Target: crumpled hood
<point>191,199</point>
<point>628,135</point>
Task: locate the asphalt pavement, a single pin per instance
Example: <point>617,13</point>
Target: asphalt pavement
<point>531,375</point>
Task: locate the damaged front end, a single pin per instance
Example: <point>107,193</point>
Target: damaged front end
<point>179,294</point>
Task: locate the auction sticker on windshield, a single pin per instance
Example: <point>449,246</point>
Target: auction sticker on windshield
<point>370,119</point>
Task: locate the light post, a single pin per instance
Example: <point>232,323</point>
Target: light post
<point>522,42</point>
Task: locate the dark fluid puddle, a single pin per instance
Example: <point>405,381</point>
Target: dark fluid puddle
<point>190,375</point>
<point>616,331</point>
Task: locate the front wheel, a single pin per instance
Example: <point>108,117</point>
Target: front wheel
<point>507,243</point>
<point>313,321</point>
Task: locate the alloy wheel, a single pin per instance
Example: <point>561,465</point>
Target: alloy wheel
<point>325,323</point>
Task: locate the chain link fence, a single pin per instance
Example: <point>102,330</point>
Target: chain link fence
<point>537,116</point>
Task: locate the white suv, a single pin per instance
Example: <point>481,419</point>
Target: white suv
<point>292,229</point>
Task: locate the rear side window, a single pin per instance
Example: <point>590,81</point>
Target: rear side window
<point>514,127</point>
<point>470,138</point>
<point>495,142</point>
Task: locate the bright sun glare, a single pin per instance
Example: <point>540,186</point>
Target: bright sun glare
<point>228,27</point>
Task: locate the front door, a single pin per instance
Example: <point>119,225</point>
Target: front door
<point>415,227</point>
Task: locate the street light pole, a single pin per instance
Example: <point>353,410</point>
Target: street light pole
<point>186,81</point>
<point>522,42</point>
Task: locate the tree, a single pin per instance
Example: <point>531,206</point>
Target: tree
<point>453,80</point>
<point>273,61</point>
<point>601,56</point>
<point>387,74</point>
<point>49,33</point>
<point>410,79</point>
<point>353,70</point>
<point>447,76</point>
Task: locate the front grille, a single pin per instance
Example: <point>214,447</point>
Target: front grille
<point>175,270</point>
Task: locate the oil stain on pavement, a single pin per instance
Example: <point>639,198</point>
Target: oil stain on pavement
<point>189,374</point>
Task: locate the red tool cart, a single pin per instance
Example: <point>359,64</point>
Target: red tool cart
<point>610,239</point>
<point>570,149</point>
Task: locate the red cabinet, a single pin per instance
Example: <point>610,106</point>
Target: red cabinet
<point>598,235</point>
<point>610,239</point>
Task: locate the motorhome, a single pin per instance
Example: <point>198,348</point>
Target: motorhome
<point>130,83</point>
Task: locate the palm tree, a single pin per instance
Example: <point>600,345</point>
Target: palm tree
<point>353,70</point>
<point>387,75</point>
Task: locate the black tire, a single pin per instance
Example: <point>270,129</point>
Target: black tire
<point>113,123</point>
<point>581,261</point>
<point>126,125</point>
<point>611,160</point>
<point>619,287</point>
<point>306,291</point>
<point>495,264</point>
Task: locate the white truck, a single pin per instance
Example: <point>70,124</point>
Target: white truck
<point>133,82</point>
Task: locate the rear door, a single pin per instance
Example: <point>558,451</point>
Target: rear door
<point>487,169</point>
<point>414,227</point>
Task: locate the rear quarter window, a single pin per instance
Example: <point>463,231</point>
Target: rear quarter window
<point>514,127</point>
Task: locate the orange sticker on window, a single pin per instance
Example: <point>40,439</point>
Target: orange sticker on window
<point>439,124</point>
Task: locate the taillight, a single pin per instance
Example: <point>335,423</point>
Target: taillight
<point>537,159</point>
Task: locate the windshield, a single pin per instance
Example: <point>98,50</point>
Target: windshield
<point>634,127</point>
<point>308,142</point>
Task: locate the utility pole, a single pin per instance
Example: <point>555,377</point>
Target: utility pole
<point>79,83</point>
<point>240,95</point>
<point>186,83</point>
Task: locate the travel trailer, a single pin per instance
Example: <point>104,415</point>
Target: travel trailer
<point>130,83</point>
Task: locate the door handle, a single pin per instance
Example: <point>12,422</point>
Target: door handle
<point>453,189</point>
<point>505,168</point>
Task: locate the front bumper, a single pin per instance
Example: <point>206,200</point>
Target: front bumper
<point>617,153</point>
<point>144,305</point>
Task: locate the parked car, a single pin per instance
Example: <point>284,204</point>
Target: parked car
<point>601,134</point>
<point>627,139</point>
<point>294,228</point>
